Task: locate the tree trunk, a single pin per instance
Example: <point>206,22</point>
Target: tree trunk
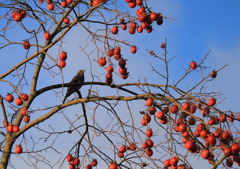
<point>6,151</point>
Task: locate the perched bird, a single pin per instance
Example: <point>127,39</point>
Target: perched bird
<point>79,78</point>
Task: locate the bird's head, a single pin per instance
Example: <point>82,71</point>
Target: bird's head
<point>81,71</point>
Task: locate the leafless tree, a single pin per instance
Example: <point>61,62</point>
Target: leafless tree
<point>113,120</point>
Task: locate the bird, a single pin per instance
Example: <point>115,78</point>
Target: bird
<point>79,78</point>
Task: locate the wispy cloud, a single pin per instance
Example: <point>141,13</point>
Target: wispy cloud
<point>228,79</point>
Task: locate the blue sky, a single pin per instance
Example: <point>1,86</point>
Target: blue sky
<point>199,26</point>
<point>212,26</point>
